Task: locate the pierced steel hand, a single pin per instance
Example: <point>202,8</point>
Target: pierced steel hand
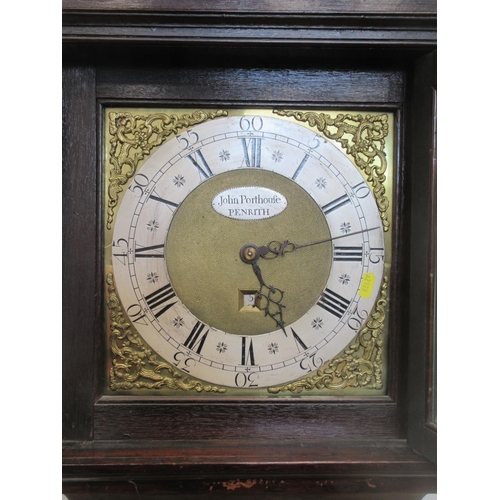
<point>251,253</point>
<point>275,248</point>
<point>269,294</point>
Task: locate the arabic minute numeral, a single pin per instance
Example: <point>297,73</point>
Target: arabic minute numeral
<point>183,361</point>
<point>310,363</point>
<point>246,380</point>
<point>357,319</point>
<point>314,143</point>
<point>251,122</point>
<point>120,250</point>
<point>187,139</point>
<point>139,183</point>
<point>361,190</point>
<point>376,255</point>
<point>136,314</point>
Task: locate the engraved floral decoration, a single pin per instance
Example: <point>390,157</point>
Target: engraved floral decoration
<point>359,365</point>
<point>317,323</point>
<point>179,181</point>
<point>363,137</point>
<point>273,348</point>
<point>177,322</point>
<point>152,226</point>
<point>134,365</point>
<point>344,279</point>
<point>345,228</point>
<point>277,156</point>
<point>224,155</point>
<point>221,347</point>
<point>133,137</point>
<point>152,277</point>
<point>321,183</point>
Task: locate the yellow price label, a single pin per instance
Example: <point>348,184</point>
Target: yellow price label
<point>367,283</point>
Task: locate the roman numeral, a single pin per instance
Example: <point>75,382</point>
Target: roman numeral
<point>247,356</point>
<point>160,301</point>
<point>300,167</point>
<point>143,252</point>
<point>196,340</point>
<point>161,200</point>
<point>252,154</point>
<point>333,303</point>
<point>335,204</point>
<point>348,254</point>
<point>204,169</point>
<point>298,341</point>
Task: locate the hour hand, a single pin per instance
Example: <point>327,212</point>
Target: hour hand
<point>258,273</point>
<point>269,295</point>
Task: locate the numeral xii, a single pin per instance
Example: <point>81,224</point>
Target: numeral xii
<point>252,153</point>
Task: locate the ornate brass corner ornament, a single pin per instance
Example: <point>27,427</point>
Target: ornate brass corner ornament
<point>366,145</point>
<point>134,136</point>
<point>134,366</point>
<point>359,365</point>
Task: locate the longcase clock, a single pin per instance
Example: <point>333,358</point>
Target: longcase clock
<point>248,194</point>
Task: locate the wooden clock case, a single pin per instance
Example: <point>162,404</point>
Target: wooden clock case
<point>347,55</point>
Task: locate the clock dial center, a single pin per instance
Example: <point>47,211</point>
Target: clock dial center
<point>209,284</point>
<point>249,253</point>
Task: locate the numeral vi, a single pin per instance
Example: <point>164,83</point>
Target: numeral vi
<point>247,355</point>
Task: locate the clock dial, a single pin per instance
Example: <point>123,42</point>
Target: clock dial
<point>203,252</point>
<point>248,251</point>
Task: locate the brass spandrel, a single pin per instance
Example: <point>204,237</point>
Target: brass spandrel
<point>363,136</point>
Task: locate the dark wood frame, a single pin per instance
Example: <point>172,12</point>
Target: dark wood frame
<point>360,55</point>
<point>422,316</point>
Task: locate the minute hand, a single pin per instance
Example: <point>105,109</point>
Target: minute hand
<point>276,248</point>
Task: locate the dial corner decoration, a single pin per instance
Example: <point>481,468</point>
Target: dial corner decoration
<point>135,366</point>
<point>135,136</point>
<point>247,253</point>
<point>363,136</point>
